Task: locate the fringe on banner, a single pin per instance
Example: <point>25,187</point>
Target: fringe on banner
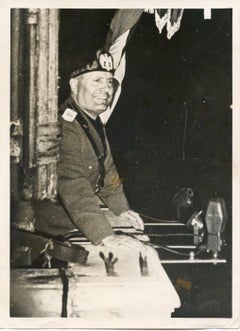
<point>171,18</point>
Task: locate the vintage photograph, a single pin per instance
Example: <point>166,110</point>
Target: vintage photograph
<point>121,166</point>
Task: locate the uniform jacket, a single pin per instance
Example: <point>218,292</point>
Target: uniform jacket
<point>78,173</point>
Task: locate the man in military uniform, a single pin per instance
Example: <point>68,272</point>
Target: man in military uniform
<point>87,176</point>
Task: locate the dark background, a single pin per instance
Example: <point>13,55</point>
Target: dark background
<point>172,125</point>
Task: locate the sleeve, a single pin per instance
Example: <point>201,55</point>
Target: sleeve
<point>75,190</point>
<point>112,193</point>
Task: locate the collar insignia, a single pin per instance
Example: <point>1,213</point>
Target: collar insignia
<point>69,115</point>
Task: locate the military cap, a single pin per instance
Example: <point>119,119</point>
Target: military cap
<point>103,61</point>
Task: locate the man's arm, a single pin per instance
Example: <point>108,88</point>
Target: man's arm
<point>75,189</point>
<point>112,193</point>
<point>114,197</point>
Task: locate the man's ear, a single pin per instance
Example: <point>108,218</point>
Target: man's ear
<point>73,84</point>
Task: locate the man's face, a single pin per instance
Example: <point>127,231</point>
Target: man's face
<point>93,91</point>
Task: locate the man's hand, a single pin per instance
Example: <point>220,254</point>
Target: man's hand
<point>134,219</point>
<point>123,241</point>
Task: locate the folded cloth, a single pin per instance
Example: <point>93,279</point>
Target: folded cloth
<point>124,283</point>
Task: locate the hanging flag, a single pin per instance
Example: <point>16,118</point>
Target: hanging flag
<point>121,29</point>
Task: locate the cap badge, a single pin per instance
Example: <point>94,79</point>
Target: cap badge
<point>106,61</point>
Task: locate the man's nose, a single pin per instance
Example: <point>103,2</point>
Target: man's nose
<point>106,86</point>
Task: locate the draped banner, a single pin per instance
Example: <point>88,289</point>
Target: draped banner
<point>121,29</point>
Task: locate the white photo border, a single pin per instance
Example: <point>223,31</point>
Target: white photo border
<point>174,323</point>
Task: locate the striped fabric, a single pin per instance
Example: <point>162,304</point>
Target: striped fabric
<point>76,237</point>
